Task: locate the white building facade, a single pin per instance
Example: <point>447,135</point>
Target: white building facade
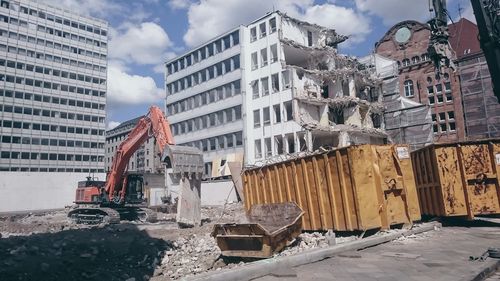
<point>204,101</point>
<point>298,94</point>
<point>53,66</point>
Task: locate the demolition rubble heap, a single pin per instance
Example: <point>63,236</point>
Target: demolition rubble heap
<point>336,98</point>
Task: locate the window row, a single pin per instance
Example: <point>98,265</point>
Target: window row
<point>414,60</point>
<point>50,44</point>
<point>51,71</point>
<point>50,156</point>
<point>282,145</point>
<point>50,128</point>
<point>260,87</point>
<point>36,169</point>
<point>265,59</point>
<point>51,142</point>
<point>263,29</point>
<point>211,96</point>
<point>54,100</point>
<point>49,85</point>
<point>51,58</point>
<point>204,75</point>
<point>443,116</point>
<point>207,121</point>
<point>204,52</point>
<point>33,26</point>
<point>280,113</point>
<point>219,142</point>
<point>49,17</point>
<point>52,31</point>
<point>436,93</point>
<point>51,113</point>
<point>449,127</point>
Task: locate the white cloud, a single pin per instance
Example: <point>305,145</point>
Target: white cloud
<point>145,43</point>
<point>205,20</point>
<point>393,11</point>
<point>179,4</point>
<point>159,68</point>
<point>346,21</point>
<point>112,125</point>
<point>125,88</point>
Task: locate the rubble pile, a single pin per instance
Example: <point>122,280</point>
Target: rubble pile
<point>31,223</point>
<point>191,255</point>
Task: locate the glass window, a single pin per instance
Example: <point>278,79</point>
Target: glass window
<point>263,57</point>
<point>255,89</point>
<point>266,115</point>
<point>256,118</point>
<point>262,30</point>
<point>254,61</point>
<point>258,149</point>
<point>272,25</point>
<point>408,86</point>
<point>265,86</point>
<point>253,35</point>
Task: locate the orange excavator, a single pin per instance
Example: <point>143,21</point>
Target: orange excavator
<point>121,196</point>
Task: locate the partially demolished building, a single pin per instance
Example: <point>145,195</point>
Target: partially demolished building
<point>301,94</point>
<point>297,93</point>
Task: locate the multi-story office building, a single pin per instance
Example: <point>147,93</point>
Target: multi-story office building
<point>204,101</point>
<point>297,94</point>
<point>406,43</point>
<point>144,160</point>
<point>53,89</point>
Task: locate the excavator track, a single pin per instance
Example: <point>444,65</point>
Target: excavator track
<point>94,216</point>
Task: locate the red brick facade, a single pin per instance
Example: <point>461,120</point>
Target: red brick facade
<point>406,42</point>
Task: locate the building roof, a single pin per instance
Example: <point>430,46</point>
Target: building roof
<point>123,125</point>
<point>464,38</point>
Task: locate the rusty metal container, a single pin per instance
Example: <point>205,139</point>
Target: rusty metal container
<point>458,179</point>
<point>354,188</point>
<point>270,227</point>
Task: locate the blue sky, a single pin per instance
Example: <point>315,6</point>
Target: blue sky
<point>144,34</point>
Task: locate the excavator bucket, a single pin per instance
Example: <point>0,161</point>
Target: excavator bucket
<point>183,159</point>
<point>184,170</point>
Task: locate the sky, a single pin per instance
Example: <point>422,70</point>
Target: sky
<point>144,34</point>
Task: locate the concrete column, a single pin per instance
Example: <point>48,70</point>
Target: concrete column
<point>344,139</point>
<point>323,119</point>
<point>352,87</point>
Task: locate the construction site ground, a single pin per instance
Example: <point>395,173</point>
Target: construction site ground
<point>435,255</point>
<point>46,246</point>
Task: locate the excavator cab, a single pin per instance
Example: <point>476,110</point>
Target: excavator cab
<point>135,189</point>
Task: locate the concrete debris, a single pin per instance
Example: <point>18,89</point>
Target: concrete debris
<point>329,36</point>
<point>191,255</point>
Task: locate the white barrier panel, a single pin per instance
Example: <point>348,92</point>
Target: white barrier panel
<point>31,191</point>
<point>216,192</point>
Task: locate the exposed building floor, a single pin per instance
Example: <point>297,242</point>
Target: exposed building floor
<point>435,255</point>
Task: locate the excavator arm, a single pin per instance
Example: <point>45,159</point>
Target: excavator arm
<point>154,124</point>
<point>439,48</point>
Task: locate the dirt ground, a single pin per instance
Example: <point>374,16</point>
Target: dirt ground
<point>49,245</point>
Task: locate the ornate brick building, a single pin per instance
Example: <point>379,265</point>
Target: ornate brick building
<point>481,107</point>
<point>406,42</point>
